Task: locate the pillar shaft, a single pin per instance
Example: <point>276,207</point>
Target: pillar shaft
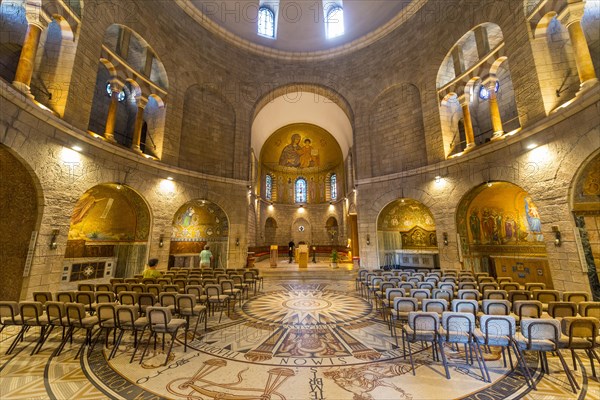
<point>495,112</point>
<point>583,59</point>
<point>111,118</point>
<point>469,135</point>
<point>27,58</point>
<point>139,123</point>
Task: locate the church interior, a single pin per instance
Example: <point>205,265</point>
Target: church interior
<point>397,199</point>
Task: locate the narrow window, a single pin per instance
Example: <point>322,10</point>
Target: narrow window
<point>266,22</point>
<point>300,190</point>
<point>334,22</point>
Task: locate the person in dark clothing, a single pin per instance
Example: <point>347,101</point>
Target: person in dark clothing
<point>291,245</point>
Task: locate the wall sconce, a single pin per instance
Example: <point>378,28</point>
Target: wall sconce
<point>237,241</point>
<point>368,240</point>
<point>161,241</point>
<point>445,236</point>
<point>557,236</point>
<point>53,239</point>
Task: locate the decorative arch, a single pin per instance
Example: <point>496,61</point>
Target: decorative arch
<point>406,235</point>
<point>270,231</point>
<point>21,205</point>
<point>500,231</point>
<point>196,224</point>
<point>301,231</point>
<point>112,222</point>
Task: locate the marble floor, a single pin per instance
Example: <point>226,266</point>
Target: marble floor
<point>306,335</point>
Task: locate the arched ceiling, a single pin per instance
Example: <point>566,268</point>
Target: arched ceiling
<point>302,107</point>
<point>300,27</point>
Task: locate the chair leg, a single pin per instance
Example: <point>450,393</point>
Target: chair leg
<point>485,374</point>
<point>572,381</point>
<point>574,361</point>
<point>170,347</point>
<point>444,360</point>
<point>523,365</point>
<point>139,343</point>
<point>16,340</point>
<point>412,364</point>
<point>117,343</point>
<point>146,347</point>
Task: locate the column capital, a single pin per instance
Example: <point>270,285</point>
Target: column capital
<point>116,86</point>
<point>572,13</point>
<point>141,101</point>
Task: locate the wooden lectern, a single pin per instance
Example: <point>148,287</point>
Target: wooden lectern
<point>274,255</point>
<point>303,256</point>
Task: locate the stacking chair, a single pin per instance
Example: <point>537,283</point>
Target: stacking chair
<point>518,295</point>
<point>495,295</point>
<point>194,281</point>
<point>459,328</point>
<point>103,287</point>
<point>31,315</point>
<point>78,319</point>
<point>9,315</point>
<point>163,281</point>
<point>449,286</point>
<point>407,286</point>
<point>120,287</point>
<point>535,286</point>
<point>467,286</point>
<point>542,335</point>
<point>380,294</point>
<point>198,292</point>
<point>576,297</point>
<point>500,331</point>
<point>580,333</point>
<point>145,300</point>
<point>228,288</point>
<point>508,286</point>
<point>87,299</point>
<point>104,297</point>
<point>502,279</point>
<point>181,282</point>
<point>442,294</point>
<point>420,294</point>
<point>561,309</point>
<point>527,309</point>
<point>160,320</point>
<point>128,298</point>
<point>259,279</point>
<point>171,288</point>
<point>434,305</point>
<point>434,279</point>
<point>401,308</point>
<point>42,297</point>
<point>495,307</point>
<point>546,296</point>
<point>129,320</point>
<point>137,287</point>
<point>373,286</point>
<point>250,280</point>
<point>468,294</point>
<point>107,320</point>
<point>215,298</point>
<point>238,282</point>
<point>423,327</point>
<point>426,285</point>
<point>589,309</point>
<point>360,278</point>
<point>186,304</point>
<point>485,286</point>
<point>168,300</point>
<point>85,287</point>
<point>57,317</point>
<point>65,296</point>
<point>465,305</point>
<point>388,301</point>
<point>154,289</point>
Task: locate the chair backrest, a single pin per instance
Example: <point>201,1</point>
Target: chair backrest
<point>86,298</point>
<point>528,308</point>
<point>148,281</point>
<point>137,287</point>
<point>196,290</point>
<point>518,295</point>
<point>546,296</point>
<point>535,286</point>
<point>495,307</point>
<point>434,305</point>
<point>227,284</point>
<point>464,305</point>
<point>432,279</point>
<point>106,313</point>
<point>451,286</point>
<point>65,297</point>
<point>498,325</point>
<point>42,297</point>
<point>393,292</point>
<point>414,279</point>
<point>146,299</point>
<point>560,309</point>
<point>386,285</point>
<point>407,286</point>
<point>195,281</point>
<point>424,321</point>
<point>508,286</point>
<point>128,298</point>
<point>442,294</point>
<point>159,317</point>
<point>488,286</point>
<point>120,287</point>
<point>502,279</point>
<point>181,282</point>
<point>104,287</point>
<point>131,280</point>
<point>468,294</point>
<point>462,322</point>
<point>186,302</point>
<point>576,297</point>
<point>167,299</point>
<point>9,309</point>
<point>249,276</point>
<point>31,312</point>
<point>104,297</point>
<point>55,310</point>
<point>212,290</point>
<point>580,327</point>
<point>75,313</point>
<point>171,288</point>
<point>163,281</point>
<point>426,285</point>
<point>494,294</point>
<point>420,294</point>
<point>450,278</point>
<point>85,287</point>
<point>405,304</point>
<point>540,329</point>
<point>486,279</point>
<point>590,309</point>
<point>126,316</point>
<point>154,289</point>
<point>467,285</point>
<point>116,280</point>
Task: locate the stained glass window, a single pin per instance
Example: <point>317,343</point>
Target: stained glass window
<point>484,92</point>
<point>109,92</point>
<point>300,190</point>
<point>334,22</point>
<point>266,22</point>
<point>268,187</point>
<point>333,183</point>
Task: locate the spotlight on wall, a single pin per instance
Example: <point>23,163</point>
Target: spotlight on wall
<point>161,241</point>
<point>557,236</point>
<point>169,178</point>
<point>237,241</point>
<point>53,239</point>
<point>77,148</point>
<point>445,238</point>
<point>489,184</point>
<point>438,178</point>
<point>531,146</point>
<point>301,209</point>
<point>368,240</point>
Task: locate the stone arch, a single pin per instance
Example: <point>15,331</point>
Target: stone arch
<point>110,222</point>
<point>207,118</point>
<point>270,231</point>
<point>154,119</point>
<point>301,231</point>
<point>196,224</point>
<point>450,115</point>
<point>14,20</point>
<point>397,110</point>
<point>333,230</point>
<point>406,235</point>
<point>21,202</point>
<point>500,232</point>
<point>500,72</point>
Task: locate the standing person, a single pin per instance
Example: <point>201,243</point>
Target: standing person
<point>150,271</point>
<point>291,249</point>
<point>206,257</point>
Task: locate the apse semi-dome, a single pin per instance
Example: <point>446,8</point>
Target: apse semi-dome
<point>300,28</point>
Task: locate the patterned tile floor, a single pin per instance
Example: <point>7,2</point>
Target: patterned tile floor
<point>306,335</point>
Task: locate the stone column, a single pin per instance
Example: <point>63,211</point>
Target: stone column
<point>139,122</point>
<point>27,58</point>
<point>469,135</point>
<point>115,87</point>
<point>495,111</point>
<point>583,59</point>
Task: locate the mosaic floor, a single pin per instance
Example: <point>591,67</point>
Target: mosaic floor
<point>304,336</point>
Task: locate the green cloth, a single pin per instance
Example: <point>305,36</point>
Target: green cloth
<point>205,256</point>
<point>152,273</point>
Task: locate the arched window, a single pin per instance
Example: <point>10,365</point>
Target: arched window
<point>334,22</point>
<point>300,190</point>
<point>268,187</point>
<point>266,22</point>
<point>333,188</point>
